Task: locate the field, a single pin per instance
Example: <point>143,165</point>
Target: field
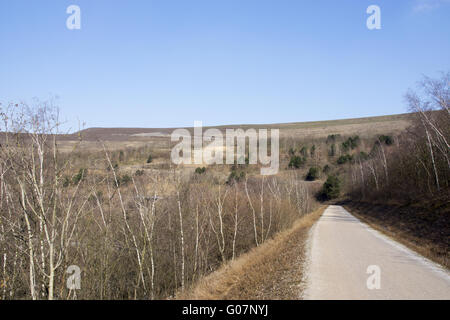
<point>293,134</point>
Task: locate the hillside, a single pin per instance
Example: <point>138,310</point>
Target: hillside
<point>316,129</point>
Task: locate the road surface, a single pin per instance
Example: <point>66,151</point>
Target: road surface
<point>347,257</point>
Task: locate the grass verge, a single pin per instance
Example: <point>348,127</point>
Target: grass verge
<point>272,270</point>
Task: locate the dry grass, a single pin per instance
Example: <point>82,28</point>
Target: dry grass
<point>271,271</point>
<point>312,129</point>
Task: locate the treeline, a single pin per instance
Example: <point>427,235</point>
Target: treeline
<point>416,165</point>
<point>144,237</point>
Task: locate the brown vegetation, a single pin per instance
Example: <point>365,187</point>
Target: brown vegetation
<point>274,270</point>
<point>416,166</point>
<point>134,235</point>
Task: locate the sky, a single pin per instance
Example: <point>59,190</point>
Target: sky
<point>166,63</point>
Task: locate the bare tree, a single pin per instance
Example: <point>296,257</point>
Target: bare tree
<point>253,211</point>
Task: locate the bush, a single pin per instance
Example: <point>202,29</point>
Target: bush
<point>125,179</point>
<point>332,151</point>
<point>150,159</point>
<point>313,150</point>
<point>296,162</point>
<point>304,151</point>
<point>363,156</point>
<point>313,174</point>
<point>139,173</point>
<point>331,188</point>
<point>79,176</point>
<point>333,137</point>
<point>354,142</point>
<point>326,169</point>
<point>344,159</point>
<point>388,140</point>
<point>66,181</point>
<point>200,170</point>
<point>235,176</point>
<point>350,143</point>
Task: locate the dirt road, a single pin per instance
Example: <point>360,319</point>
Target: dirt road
<point>349,260</point>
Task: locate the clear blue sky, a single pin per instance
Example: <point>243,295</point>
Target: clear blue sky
<point>167,63</point>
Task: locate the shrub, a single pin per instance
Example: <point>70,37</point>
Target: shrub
<point>150,159</point>
<point>344,159</point>
<point>350,143</point>
<point>388,140</point>
<point>79,176</point>
<point>331,188</point>
<point>296,162</point>
<point>363,156</point>
<point>354,142</point>
<point>125,179</point>
<point>235,176</point>
<point>333,137</point>
<point>332,151</point>
<point>313,150</point>
<point>66,181</point>
<point>313,174</point>
<point>200,170</point>
<point>304,151</point>
<point>326,169</point>
<point>139,173</point>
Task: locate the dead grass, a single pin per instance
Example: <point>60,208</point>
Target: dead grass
<point>271,271</point>
<point>311,129</point>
